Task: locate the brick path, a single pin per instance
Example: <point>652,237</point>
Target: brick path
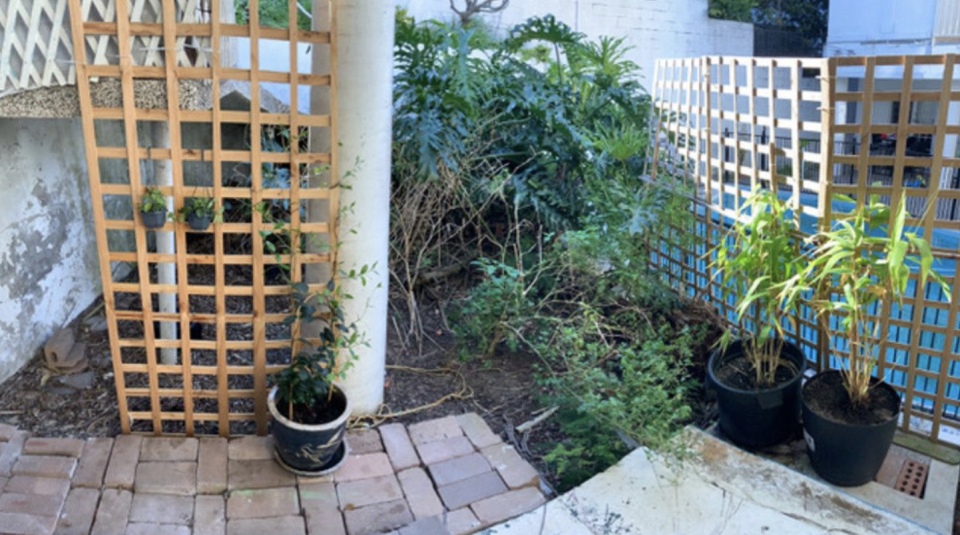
<point>448,476</point>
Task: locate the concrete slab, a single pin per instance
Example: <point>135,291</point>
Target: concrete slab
<point>721,489</point>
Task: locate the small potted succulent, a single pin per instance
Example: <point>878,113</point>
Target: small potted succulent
<point>866,260</point>
<point>755,372</point>
<point>153,209</point>
<point>199,212</point>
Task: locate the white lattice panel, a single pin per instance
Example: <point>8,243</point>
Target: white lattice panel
<point>36,49</point>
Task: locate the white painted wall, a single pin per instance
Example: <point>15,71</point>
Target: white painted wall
<point>892,27</point>
<point>48,261</point>
<point>655,28</point>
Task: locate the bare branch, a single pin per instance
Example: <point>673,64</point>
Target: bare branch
<point>474,7</point>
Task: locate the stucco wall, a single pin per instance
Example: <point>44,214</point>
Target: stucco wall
<point>48,262</point>
<point>654,28</point>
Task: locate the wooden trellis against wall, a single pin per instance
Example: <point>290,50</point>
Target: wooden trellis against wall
<point>230,303</point>
<point>815,128</point>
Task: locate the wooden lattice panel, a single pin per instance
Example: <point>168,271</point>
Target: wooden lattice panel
<point>230,302</point>
<point>815,128</point>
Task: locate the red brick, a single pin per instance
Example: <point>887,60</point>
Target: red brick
<point>321,508</point>
<point>7,432</point>
<point>78,512</point>
<point>477,430</point>
<point>212,466</point>
<point>470,490</point>
<point>45,486</point>
<point>122,469</point>
<point>399,447</point>
<point>24,524</point>
<point>168,449</point>
<point>364,441</point>
<point>444,450</point>
<point>139,528</point>
<point>93,463</point>
<point>258,475</point>
<point>287,525</point>
<point>363,467</point>
<point>506,506</point>
<point>210,516</point>
<point>179,478</point>
<point>378,518</point>
<point>462,521</point>
<point>433,430</point>
<point>45,466</point>
<point>263,503</point>
<point>112,513</point>
<point>65,447</point>
<point>421,496</point>
<point>11,452</point>
<point>458,469</point>
<point>252,448</point>
<point>161,509</point>
<point>354,494</point>
<point>30,504</point>
<point>514,469</point>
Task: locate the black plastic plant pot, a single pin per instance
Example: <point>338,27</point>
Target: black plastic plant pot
<point>843,453</point>
<point>198,223</point>
<point>310,450</point>
<point>755,419</point>
<point>153,220</point>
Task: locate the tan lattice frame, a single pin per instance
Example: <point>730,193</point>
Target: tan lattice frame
<point>172,70</point>
<point>695,154</point>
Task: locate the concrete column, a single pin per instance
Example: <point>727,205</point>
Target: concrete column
<point>166,244</point>
<point>364,75</point>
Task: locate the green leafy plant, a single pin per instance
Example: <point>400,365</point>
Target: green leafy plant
<point>316,363</point>
<point>866,259</point>
<point>736,10</point>
<point>201,207</point>
<point>760,253</point>
<point>153,201</point>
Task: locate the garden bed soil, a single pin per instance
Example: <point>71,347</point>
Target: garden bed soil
<point>827,397</point>
<point>738,373</point>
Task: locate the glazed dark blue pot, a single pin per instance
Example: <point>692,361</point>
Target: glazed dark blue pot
<point>309,449</point>
<point>153,220</point>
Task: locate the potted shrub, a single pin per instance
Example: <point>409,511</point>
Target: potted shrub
<point>755,372</point>
<point>199,212</point>
<point>309,409</point>
<point>850,415</point>
<point>153,209</point>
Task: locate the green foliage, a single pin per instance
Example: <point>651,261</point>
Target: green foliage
<point>316,363</point>
<point>483,321</point>
<point>152,201</point>
<point>590,447</point>
<point>274,13</point>
<point>866,259</point>
<point>736,10</point>
<point>754,260</point>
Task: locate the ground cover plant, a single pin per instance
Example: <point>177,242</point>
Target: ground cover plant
<point>519,207</point>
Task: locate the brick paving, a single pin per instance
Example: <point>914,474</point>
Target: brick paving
<point>450,476</point>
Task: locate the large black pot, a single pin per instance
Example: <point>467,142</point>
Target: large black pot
<point>846,454</point>
<point>153,220</point>
<point>310,450</point>
<point>758,418</point>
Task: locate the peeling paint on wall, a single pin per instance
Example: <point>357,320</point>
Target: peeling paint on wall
<point>48,260</point>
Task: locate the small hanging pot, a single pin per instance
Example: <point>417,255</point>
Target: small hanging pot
<point>153,220</point>
<point>197,222</point>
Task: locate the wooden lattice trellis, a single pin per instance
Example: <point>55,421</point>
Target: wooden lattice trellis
<point>815,128</point>
<point>220,380</point>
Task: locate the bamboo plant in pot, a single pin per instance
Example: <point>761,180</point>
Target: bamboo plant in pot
<point>866,260</point>
<point>755,372</point>
<point>308,407</point>
<point>153,209</point>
